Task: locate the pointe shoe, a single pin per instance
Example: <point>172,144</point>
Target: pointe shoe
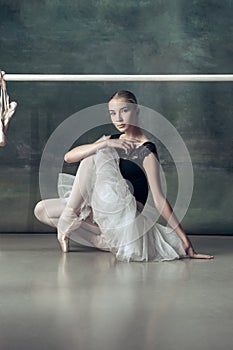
<point>2,135</point>
<point>9,114</point>
<point>4,122</point>
<point>67,223</point>
<point>64,244</point>
<point>7,109</point>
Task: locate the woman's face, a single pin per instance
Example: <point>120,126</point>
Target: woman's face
<point>123,113</point>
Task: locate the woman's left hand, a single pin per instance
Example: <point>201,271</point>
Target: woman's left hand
<point>192,254</point>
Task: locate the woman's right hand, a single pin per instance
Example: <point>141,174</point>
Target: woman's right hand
<point>124,145</point>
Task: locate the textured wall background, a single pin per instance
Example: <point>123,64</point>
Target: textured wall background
<point>135,37</point>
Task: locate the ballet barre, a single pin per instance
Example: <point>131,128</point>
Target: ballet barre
<point>120,77</point>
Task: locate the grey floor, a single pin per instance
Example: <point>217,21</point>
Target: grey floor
<point>87,300</point>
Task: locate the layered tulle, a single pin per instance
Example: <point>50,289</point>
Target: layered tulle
<point>129,234</point>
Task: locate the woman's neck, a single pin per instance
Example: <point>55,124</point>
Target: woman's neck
<point>134,133</point>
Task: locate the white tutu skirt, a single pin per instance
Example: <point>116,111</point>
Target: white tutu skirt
<point>129,234</point>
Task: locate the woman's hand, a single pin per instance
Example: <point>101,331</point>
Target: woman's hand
<point>192,254</point>
<point>124,145</point>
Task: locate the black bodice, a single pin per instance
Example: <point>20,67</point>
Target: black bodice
<point>132,169</point>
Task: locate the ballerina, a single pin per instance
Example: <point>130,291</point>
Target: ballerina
<point>7,109</point>
<point>103,210</point>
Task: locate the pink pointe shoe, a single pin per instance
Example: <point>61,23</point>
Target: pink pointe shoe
<point>9,113</point>
<point>7,110</point>
<point>68,222</point>
<point>64,244</point>
<point>2,135</point>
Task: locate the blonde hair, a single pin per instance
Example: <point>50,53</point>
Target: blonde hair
<point>127,95</point>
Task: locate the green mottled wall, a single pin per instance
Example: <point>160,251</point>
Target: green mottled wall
<point>114,37</point>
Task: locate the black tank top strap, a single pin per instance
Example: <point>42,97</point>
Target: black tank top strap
<point>147,148</point>
<point>150,146</point>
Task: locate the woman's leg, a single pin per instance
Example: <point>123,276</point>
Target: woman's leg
<point>73,214</point>
<point>82,185</point>
<point>69,221</point>
<point>49,211</point>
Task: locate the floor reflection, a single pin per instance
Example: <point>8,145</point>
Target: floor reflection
<point>113,298</point>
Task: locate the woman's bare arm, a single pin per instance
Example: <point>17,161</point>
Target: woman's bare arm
<point>151,166</point>
<point>80,152</point>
